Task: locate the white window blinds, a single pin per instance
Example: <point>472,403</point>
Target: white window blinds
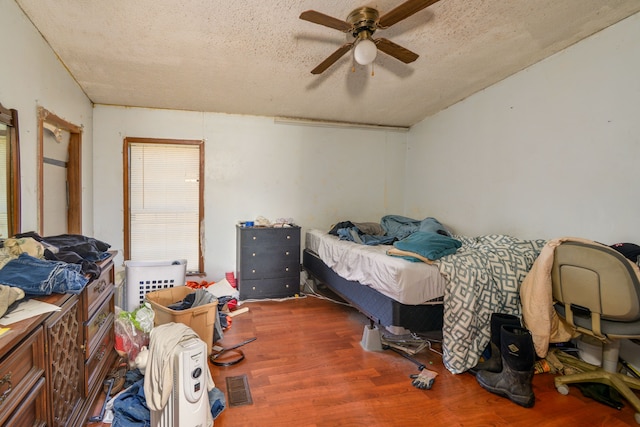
<point>164,202</point>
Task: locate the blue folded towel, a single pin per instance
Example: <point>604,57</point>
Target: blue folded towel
<point>428,244</point>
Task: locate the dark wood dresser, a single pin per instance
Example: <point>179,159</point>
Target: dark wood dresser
<point>268,261</point>
<point>52,366</point>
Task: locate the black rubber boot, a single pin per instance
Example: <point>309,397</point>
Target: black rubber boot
<point>518,357</point>
<point>494,362</point>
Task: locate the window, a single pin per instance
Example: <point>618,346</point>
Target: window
<point>163,192</point>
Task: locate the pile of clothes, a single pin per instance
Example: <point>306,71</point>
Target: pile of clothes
<point>148,386</point>
<point>45,265</point>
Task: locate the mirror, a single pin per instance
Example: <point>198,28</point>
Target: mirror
<point>9,173</point>
<point>60,172</point>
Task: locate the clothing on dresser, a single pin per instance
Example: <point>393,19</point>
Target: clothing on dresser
<point>13,247</point>
<point>9,298</point>
<point>69,248</point>
<point>88,248</point>
<point>87,267</point>
<point>42,277</point>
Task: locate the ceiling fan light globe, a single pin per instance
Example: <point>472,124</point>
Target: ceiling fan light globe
<point>365,52</point>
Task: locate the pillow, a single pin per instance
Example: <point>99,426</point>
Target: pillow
<point>429,245</point>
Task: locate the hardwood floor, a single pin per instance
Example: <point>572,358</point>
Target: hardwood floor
<point>307,368</point>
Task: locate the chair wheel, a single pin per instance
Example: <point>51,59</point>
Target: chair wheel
<point>563,389</point>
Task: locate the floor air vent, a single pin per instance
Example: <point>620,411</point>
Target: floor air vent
<point>238,391</point>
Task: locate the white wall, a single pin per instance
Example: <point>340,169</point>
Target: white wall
<point>551,151</point>
<point>255,167</point>
<point>31,76</point>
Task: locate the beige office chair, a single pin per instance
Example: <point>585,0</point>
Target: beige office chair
<point>597,291</point>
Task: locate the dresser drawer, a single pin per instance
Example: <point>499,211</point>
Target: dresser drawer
<point>98,290</point>
<point>96,365</point>
<point>269,262</point>
<point>32,411</point>
<point>20,372</point>
<point>269,288</point>
<point>96,326</point>
<point>257,236</point>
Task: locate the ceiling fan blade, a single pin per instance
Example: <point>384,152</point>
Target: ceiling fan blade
<point>326,20</point>
<point>403,11</point>
<point>397,51</point>
<point>332,58</point>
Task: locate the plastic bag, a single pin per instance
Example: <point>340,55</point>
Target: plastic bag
<point>132,331</point>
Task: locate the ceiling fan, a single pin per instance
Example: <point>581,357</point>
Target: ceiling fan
<point>362,23</point>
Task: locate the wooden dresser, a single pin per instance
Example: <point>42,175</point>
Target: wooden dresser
<point>52,366</point>
<point>268,261</point>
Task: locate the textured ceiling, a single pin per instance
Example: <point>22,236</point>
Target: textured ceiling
<point>227,56</point>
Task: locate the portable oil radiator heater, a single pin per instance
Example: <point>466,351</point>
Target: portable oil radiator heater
<point>188,402</point>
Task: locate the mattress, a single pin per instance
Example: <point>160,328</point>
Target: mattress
<point>407,282</point>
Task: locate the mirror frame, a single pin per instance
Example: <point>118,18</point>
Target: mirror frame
<point>74,171</point>
<point>10,118</point>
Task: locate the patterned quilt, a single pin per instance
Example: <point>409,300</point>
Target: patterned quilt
<point>484,277</point>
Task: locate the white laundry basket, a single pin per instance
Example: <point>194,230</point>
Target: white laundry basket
<point>142,277</point>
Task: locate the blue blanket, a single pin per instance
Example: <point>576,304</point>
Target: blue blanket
<point>401,226</point>
<point>428,244</point>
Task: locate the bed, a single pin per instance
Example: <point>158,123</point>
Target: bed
<point>455,294</point>
<point>390,291</point>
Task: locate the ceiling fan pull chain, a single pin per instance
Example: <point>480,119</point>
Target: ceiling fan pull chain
<point>372,73</point>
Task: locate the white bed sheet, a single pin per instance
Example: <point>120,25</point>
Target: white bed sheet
<point>407,282</point>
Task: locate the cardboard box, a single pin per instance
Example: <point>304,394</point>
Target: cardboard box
<point>201,319</point>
